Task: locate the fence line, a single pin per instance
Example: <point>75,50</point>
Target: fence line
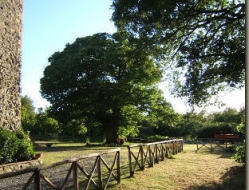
<point>100,167</point>
<point>74,173</point>
<point>151,153</point>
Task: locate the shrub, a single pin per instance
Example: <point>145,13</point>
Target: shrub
<point>25,149</point>
<point>157,138</point>
<point>8,146</point>
<point>15,146</point>
<point>240,155</point>
<point>208,131</point>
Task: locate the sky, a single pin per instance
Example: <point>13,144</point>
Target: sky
<point>48,25</point>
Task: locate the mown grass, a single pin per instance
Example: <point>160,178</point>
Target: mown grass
<point>186,170</point>
<point>59,152</point>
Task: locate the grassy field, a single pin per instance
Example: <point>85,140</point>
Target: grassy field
<point>186,170</point>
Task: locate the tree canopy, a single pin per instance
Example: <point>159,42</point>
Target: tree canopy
<point>203,39</point>
<point>97,79</point>
<point>28,115</point>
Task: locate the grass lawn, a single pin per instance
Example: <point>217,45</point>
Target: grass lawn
<point>186,170</point>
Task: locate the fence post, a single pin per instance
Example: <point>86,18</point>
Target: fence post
<point>174,147</point>
<point>130,161</point>
<point>99,173</point>
<point>176,143</point>
<point>156,153</point>
<point>37,180</point>
<point>171,147</point>
<point>162,151</point>
<point>75,176</point>
<point>151,158</point>
<point>118,167</point>
<point>141,150</point>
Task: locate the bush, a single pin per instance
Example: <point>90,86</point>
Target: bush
<point>25,149</point>
<point>157,138</point>
<point>240,155</point>
<point>15,146</point>
<point>208,131</point>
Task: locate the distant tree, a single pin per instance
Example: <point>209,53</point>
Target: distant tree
<point>156,119</point>
<point>229,116</point>
<point>74,128</point>
<point>96,79</point>
<point>162,117</point>
<point>204,40</point>
<point>224,121</point>
<point>45,124</point>
<point>191,123</point>
<point>28,115</point>
<point>241,127</point>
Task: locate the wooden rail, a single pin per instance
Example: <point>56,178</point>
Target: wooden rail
<point>76,171</point>
<point>214,143</point>
<point>141,155</point>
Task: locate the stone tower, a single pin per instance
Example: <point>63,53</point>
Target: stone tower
<point>10,63</point>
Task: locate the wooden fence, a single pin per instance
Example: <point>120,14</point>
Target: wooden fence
<point>141,155</point>
<point>94,171</point>
<point>77,173</point>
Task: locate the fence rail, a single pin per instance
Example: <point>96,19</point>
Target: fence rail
<point>94,171</point>
<point>98,174</point>
<point>148,154</point>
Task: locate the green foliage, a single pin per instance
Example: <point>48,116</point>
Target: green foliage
<point>225,121</point>
<point>159,119</point>
<point>45,124</point>
<point>146,130</point>
<point>190,123</point>
<point>204,126</point>
<point>25,149</point>
<point>229,115</point>
<point>203,40</point>
<point>157,138</point>
<point>240,155</point>
<point>131,122</point>
<point>15,146</point>
<point>104,82</point>
<point>28,114</point>
<point>241,127</point>
<point>209,130</point>
<point>8,146</point>
<point>74,128</point>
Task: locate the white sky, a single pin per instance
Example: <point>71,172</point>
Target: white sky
<point>48,25</point>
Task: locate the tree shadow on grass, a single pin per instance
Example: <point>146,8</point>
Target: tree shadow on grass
<point>233,179</point>
<point>56,148</point>
<point>221,152</point>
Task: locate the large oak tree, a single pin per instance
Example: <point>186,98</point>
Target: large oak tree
<point>95,79</point>
<point>204,39</point>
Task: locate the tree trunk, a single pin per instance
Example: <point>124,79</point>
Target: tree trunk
<point>111,135</point>
<point>111,126</point>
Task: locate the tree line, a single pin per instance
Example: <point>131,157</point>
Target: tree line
<point>188,126</point>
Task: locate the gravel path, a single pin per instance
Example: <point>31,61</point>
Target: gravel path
<point>56,174</point>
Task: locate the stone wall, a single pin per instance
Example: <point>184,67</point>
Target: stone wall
<point>10,63</point>
<point>14,167</point>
